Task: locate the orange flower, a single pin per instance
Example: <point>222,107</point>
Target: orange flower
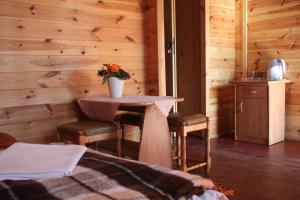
<point>112,68</point>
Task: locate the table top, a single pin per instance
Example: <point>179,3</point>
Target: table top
<point>131,100</point>
<point>104,108</point>
<point>259,81</point>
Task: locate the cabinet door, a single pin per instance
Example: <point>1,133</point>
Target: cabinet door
<point>252,118</point>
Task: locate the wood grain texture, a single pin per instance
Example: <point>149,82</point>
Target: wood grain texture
<point>252,120</point>
<point>151,52</point>
<point>50,52</point>
<point>222,59</point>
<point>252,171</point>
<point>155,139</point>
<point>23,114</point>
<point>274,32</point>
<point>276,113</point>
<point>188,56</point>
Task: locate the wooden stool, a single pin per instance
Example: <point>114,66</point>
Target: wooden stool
<point>182,125</point>
<point>6,140</point>
<point>88,131</point>
<point>133,119</point>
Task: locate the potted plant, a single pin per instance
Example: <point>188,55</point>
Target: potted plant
<point>115,76</point>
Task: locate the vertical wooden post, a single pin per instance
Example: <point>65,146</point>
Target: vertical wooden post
<point>183,134</point>
<point>207,149</point>
<point>245,36</point>
<point>207,57</point>
<point>161,48</point>
<point>119,142</point>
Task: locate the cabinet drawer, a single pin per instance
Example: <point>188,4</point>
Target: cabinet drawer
<point>252,91</point>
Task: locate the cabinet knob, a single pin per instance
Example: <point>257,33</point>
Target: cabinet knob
<point>253,91</point>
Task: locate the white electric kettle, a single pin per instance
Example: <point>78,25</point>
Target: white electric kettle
<point>276,69</point>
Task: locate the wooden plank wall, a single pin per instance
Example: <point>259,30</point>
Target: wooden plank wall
<point>151,44</point>
<point>274,32</point>
<point>50,52</point>
<point>221,65</point>
<point>239,68</point>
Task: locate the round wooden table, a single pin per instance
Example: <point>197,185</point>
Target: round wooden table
<point>6,140</point>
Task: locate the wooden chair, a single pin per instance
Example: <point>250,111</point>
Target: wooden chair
<point>89,131</point>
<point>183,125</point>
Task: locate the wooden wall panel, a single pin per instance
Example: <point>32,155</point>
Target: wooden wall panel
<point>25,46</point>
<point>274,32</point>
<point>50,52</point>
<point>221,65</point>
<point>239,68</point>
<point>37,63</point>
<point>60,31</point>
<point>58,79</point>
<point>151,52</point>
<point>22,114</point>
<point>79,13</point>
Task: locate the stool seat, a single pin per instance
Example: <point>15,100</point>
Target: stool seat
<point>89,131</point>
<point>177,119</point>
<point>88,127</point>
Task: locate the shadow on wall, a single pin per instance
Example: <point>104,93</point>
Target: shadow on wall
<point>85,83</point>
<point>150,41</point>
<point>225,110</point>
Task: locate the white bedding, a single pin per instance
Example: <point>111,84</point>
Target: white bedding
<point>207,195</point>
<point>210,195</point>
<point>35,161</point>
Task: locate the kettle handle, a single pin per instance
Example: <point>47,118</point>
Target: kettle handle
<point>283,65</point>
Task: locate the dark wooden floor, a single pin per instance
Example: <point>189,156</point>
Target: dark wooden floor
<point>254,172</point>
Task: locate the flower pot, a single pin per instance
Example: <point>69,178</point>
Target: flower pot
<point>115,86</point>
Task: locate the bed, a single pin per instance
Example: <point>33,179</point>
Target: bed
<point>102,176</point>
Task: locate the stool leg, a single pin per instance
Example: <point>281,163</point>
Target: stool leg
<point>207,151</point>
<point>119,147</point>
<point>95,144</point>
<point>123,131</point>
<point>178,142</point>
<point>173,142</point>
<point>140,133</point>
<point>81,140</point>
<point>183,135</point>
<point>122,138</point>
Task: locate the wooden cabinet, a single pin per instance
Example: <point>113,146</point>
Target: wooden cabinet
<point>260,111</point>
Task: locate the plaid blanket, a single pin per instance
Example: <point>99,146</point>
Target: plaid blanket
<point>100,176</point>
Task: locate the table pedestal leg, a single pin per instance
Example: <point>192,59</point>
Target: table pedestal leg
<point>155,146</point>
